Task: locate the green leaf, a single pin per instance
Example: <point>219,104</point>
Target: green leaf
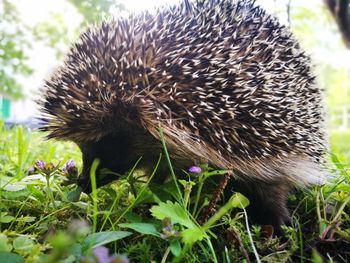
<point>143,228</point>
<point>36,193</point>
<point>10,184</point>
<point>74,196</point>
<point>34,179</point>
<point>26,219</point>
<point>4,180</point>
<point>175,212</point>
<point>316,258</point>
<point>102,238</point>
<point>10,257</point>
<point>179,215</point>
<point>16,194</point>
<point>322,227</point>
<point>190,236</point>
<point>69,259</point>
<point>4,244</point>
<point>344,187</point>
<point>14,187</point>
<point>133,217</point>
<point>175,248</point>
<point>77,250</point>
<point>238,200</point>
<point>23,243</point>
<point>4,218</point>
<point>215,172</point>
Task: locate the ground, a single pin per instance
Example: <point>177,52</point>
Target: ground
<point>45,218</point>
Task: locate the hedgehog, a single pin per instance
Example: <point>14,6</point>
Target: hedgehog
<point>225,81</point>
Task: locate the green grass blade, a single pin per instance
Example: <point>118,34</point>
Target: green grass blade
<point>180,199</point>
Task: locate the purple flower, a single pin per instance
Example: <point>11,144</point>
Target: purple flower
<point>168,231</point>
<point>100,255</point>
<point>40,164</point>
<point>78,228</point>
<point>70,168</point>
<point>46,168</point>
<point>195,169</point>
<point>70,164</point>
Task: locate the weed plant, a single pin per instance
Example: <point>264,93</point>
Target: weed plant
<point>44,217</point>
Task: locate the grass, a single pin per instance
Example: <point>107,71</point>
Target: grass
<point>45,218</point>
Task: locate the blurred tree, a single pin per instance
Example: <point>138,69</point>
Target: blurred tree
<point>314,27</point>
<point>340,10</point>
<point>55,33</point>
<point>13,44</point>
<point>95,10</point>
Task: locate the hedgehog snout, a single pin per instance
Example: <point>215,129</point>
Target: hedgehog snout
<point>110,153</point>
<point>102,178</point>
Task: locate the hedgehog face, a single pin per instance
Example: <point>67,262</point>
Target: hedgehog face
<point>114,154</point>
<point>118,152</point>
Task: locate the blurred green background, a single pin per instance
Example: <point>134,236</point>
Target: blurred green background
<point>36,34</point>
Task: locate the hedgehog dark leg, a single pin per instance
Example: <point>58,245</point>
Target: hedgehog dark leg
<point>267,202</point>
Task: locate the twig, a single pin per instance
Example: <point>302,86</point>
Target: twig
<point>211,208</point>
<point>236,236</point>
